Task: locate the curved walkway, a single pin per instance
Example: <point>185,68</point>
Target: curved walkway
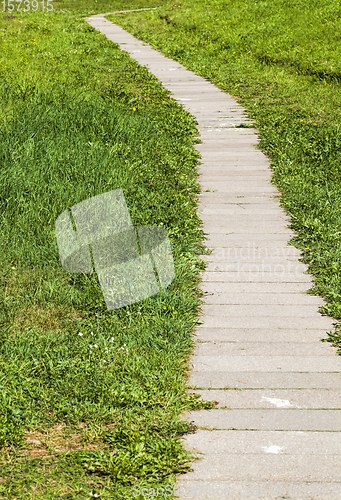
<point>276,430</point>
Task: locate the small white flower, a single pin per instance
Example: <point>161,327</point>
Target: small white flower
<point>80,334</point>
<point>104,361</point>
<point>139,313</point>
<point>109,69</point>
<point>91,333</point>
<point>112,339</point>
<point>90,346</point>
<point>95,345</point>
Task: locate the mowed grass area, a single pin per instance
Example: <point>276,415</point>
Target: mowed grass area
<point>90,398</point>
<point>282,61</point>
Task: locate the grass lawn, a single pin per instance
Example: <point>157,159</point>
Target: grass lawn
<point>79,118</point>
<point>282,62</point>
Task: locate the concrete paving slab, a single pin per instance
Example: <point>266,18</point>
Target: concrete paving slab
<point>223,119</point>
<point>255,277</point>
<point>253,254</point>
<point>215,111</point>
<point>240,172</point>
<point>214,123</point>
<point>227,146</point>
<point>243,213</point>
<point>195,99</point>
<point>279,398</point>
<point>276,269</point>
<point>229,149</point>
<point>190,489</point>
<point>231,258</point>
<point>255,251</point>
<point>271,468</point>
<point>226,209</point>
<point>229,124</point>
<point>266,380</point>
<point>263,298</point>
<point>201,90</point>
<point>199,112</point>
<point>207,197</point>
<point>274,241</point>
<point>273,349</point>
<point>247,201</point>
<point>251,264</point>
<point>265,442</point>
<point>246,226</point>
<point>197,86</point>
<point>222,134</point>
<point>257,166</point>
<point>254,287</point>
<point>230,155</point>
<point>247,204</point>
<point>260,363</point>
<point>273,266</point>
<point>251,310</point>
<point>228,133</point>
<point>204,334</point>
<point>266,322</point>
<point>225,175</point>
<point>238,187</point>
<point>268,419</point>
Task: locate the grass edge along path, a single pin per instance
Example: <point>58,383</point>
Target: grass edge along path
<point>295,105</point>
<point>91,399</point>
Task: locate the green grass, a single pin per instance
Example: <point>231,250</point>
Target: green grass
<point>281,61</point>
<point>71,424</point>
<point>79,118</point>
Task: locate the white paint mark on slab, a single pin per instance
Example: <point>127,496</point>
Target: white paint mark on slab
<point>280,403</point>
<point>272,449</point>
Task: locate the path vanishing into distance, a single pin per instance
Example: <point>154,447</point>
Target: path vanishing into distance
<point>276,430</point>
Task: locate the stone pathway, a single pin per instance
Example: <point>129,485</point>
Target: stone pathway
<point>276,430</point>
